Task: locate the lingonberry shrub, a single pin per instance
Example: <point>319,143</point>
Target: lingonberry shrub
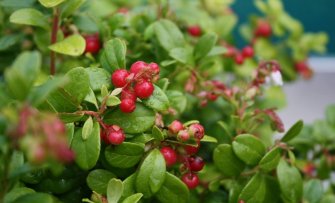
<point>158,105</point>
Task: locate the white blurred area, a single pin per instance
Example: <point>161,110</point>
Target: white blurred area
<point>307,99</point>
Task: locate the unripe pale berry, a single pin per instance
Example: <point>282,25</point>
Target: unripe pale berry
<point>183,136</point>
<point>127,105</point>
<point>92,44</point>
<point>196,163</point>
<point>175,127</point>
<point>144,89</point>
<point>119,77</point>
<point>197,131</point>
<point>191,180</point>
<point>169,155</point>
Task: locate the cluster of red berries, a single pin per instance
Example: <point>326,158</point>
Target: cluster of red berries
<point>135,83</point>
<point>191,164</point>
<point>239,55</point>
<point>112,134</point>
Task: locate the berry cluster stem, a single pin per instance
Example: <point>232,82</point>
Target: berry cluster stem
<point>55,22</point>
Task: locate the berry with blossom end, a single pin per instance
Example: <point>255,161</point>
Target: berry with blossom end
<point>92,44</point>
<point>127,105</point>
<point>119,77</point>
<point>183,136</point>
<point>175,127</point>
<point>197,131</point>
<point>196,163</point>
<point>248,52</point>
<point>144,89</point>
<point>115,135</point>
<point>191,180</point>
<point>169,155</point>
<point>194,30</point>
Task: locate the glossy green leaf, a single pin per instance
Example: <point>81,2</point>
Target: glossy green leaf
<point>87,128</point>
<point>293,131</point>
<point>125,155</point>
<point>133,198</point>
<point>87,151</point>
<point>178,100</point>
<point>168,34</point>
<point>139,121</point>
<point>151,174</point>
<point>69,132</point>
<point>182,55</point>
<point>29,16</point>
<point>51,3</point>
<point>207,138</point>
<point>90,98</point>
<point>8,41</point>
<point>36,197</point>
<point>113,101</point>
<point>158,100</point>
<point>114,190</point>
<point>172,190</point>
<point>290,182</point>
<point>98,78</point>
<point>255,190</point>
<point>271,159</point>
<point>226,161</point>
<point>313,191</point>
<point>69,7</point>
<point>204,45</point>
<point>129,185</point>
<point>157,133</point>
<point>115,52</point>
<point>73,45</point>
<point>248,148</point>
<point>16,193</point>
<point>70,117</point>
<point>97,180</point>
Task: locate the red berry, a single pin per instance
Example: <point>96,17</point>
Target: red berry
<point>239,59</point>
<point>263,29</point>
<point>175,127</point>
<point>183,136</point>
<point>196,163</point>
<point>303,69</point>
<point>191,180</point>
<point>119,77</point>
<point>212,96</point>
<point>128,93</point>
<point>138,66</point>
<point>144,89</point>
<point>170,155</point>
<point>92,44</point>
<point>103,135</point>
<point>115,135</point>
<point>194,30</point>
<point>154,68</point>
<point>190,150</point>
<point>197,131</point>
<point>127,105</point>
<point>248,52</point>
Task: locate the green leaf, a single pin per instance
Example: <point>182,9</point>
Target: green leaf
<point>69,7</point>
<point>87,128</point>
<point>293,131</point>
<point>226,161</point>
<point>207,138</point>
<point>51,3</point>
<point>168,34</point>
<point>16,193</point>
<point>125,155</point>
<point>70,117</point>
<point>313,191</point>
<point>36,197</point>
<point>182,54</point>
<point>9,40</point>
<point>69,132</point>
<point>178,100</point>
<point>98,78</point>
<point>97,180</point>
<point>157,133</point>
<point>158,100</point>
<point>248,148</point>
<point>137,122</point>
<point>114,190</point>
<point>172,190</point>
<point>90,98</point>
<point>255,190</point>
<point>270,161</point>
<point>329,198</point>
<point>217,50</point>
<point>204,45</point>
<point>129,185</point>
<point>133,198</point>
<point>29,16</point>
<point>113,101</point>
<point>330,114</point>
<point>115,52</point>
<point>73,45</point>
<point>290,182</point>
<point>87,151</point>
<point>151,174</point>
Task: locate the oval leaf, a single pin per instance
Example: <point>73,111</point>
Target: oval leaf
<point>87,151</point>
<point>248,148</point>
<point>98,179</point>
<point>226,161</point>
<point>204,45</point>
<point>168,34</point>
<point>151,174</point>
<point>87,128</point>
<point>115,53</point>
<point>270,161</point>
<point>137,122</point>
<point>133,198</point>
<point>113,101</point>
<point>172,190</point>
<point>125,155</point>
<point>98,78</point>
<point>73,45</point>
<point>114,190</point>
<point>293,131</point>
<point>50,3</point>
<point>29,16</point>
<point>255,190</point>
<point>158,100</point>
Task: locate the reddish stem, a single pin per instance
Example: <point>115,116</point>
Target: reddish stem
<point>55,22</point>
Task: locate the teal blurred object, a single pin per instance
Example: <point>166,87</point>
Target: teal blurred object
<point>316,16</point>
